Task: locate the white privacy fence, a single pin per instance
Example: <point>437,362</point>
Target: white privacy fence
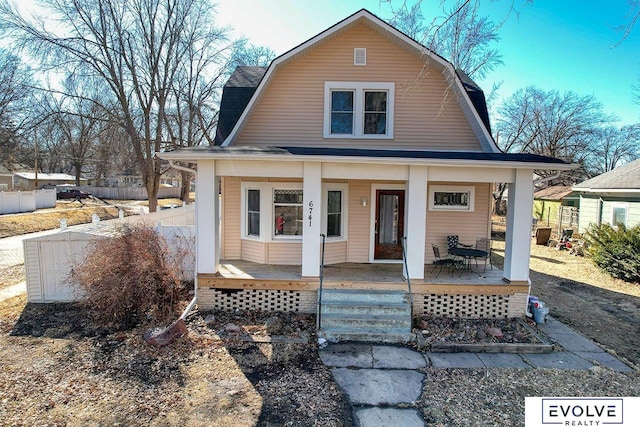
<point>26,201</point>
<point>129,193</point>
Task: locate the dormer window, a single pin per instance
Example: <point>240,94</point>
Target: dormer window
<point>358,110</point>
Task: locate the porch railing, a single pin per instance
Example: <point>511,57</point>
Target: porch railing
<point>406,273</point>
<point>319,314</point>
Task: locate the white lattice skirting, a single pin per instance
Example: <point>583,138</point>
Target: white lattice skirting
<point>257,299</point>
<point>465,306</point>
<point>471,306</point>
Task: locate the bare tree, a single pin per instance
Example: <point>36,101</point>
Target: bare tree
<point>554,124</point>
<point>460,35</point>
<point>249,54</point>
<point>613,147</point>
<point>134,47</point>
<point>15,95</point>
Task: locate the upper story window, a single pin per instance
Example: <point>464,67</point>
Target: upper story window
<point>358,110</point>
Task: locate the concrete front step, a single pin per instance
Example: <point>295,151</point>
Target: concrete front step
<point>364,321</point>
<point>364,296</point>
<point>349,307</point>
<point>366,315</point>
<point>387,337</point>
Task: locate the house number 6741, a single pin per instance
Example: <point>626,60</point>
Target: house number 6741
<point>310,211</point>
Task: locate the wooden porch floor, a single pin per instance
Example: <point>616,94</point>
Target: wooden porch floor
<point>245,274</point>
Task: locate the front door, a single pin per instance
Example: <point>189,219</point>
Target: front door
<point>389,228</point>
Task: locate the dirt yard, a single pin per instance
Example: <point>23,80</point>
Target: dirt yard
<point>58,368</point>
<point>577,293</point>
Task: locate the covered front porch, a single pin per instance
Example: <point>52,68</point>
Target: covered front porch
<point>471,293</point>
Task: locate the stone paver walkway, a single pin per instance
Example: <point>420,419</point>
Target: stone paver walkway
<point>384,383</point>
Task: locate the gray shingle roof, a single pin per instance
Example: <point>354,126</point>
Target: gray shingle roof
<point>621,178</point>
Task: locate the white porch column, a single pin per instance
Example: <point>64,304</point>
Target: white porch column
<point>207,218</point>
<point>311,216</point>
<point>416,220</point>
<point>518,238</point>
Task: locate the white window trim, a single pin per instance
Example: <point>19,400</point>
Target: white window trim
<point>277,237</point>
<point>624,206</point>
<point>452,189</point>
<point>326,187</point>
<point>358,108</point>
<point>267,221</point>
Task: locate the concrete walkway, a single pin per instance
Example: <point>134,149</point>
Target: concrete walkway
<point>383,383</point>
<point>13,291</point>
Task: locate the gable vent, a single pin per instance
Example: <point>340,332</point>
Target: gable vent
<point>360,56</point>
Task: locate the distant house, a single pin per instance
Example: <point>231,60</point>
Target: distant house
<point>6,179</point>
<point>29,181</point>
<point>127,178</point>
<point>549,203</point>
<point>611,198</point>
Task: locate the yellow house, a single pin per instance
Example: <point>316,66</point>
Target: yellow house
<point>340,166</point>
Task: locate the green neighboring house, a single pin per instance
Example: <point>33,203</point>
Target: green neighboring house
<point>611,198</point>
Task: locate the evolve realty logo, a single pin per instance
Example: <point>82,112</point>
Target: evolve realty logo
<point>582,411</point>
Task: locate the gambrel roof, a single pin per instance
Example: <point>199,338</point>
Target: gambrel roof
<point>469,96</point>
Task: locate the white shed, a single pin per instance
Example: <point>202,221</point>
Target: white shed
<point>49,259</point>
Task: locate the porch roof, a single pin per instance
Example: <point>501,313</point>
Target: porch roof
<point>472,158</point>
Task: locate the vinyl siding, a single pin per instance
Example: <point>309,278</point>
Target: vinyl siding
<point>231,217</point>
<point>335,252</point>
<point>588,213</point>
<point>254,251</point>
<point>290,110</point>
<point>469,226</point>
<point>359,222</point>
<point>284,253</point>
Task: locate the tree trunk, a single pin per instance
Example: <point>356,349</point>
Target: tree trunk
<point>185,186</point>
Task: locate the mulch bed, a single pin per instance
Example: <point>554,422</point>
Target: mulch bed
<point>486,335</point>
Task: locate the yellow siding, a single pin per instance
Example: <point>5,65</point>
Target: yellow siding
<point>469,226</point>
<point>254,251</point>
<point>359,222</point>
<point>285,253</point>
<point>231,193</point>
<point>290,110</point>
<point>335,252</point>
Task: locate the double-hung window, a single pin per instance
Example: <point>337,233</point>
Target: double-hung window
<point>253,213</point>
<point>287,212</point>
<point>334,213</point>
<point>358,110</point>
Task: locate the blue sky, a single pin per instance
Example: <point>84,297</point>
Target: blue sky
<point>564,45</point>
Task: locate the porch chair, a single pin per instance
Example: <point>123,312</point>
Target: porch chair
<point>450,263</point>
<point>484,244</point>
<point>453,241</point>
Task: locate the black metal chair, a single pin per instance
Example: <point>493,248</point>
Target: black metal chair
<point>453,241</point>
<point>484,244</point>
<point>450,263</point>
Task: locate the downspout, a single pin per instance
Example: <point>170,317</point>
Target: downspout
<point>548,178</point>
<point>187,310</point>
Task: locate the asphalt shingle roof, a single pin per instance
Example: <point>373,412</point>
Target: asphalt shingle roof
<point>621,178</point>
